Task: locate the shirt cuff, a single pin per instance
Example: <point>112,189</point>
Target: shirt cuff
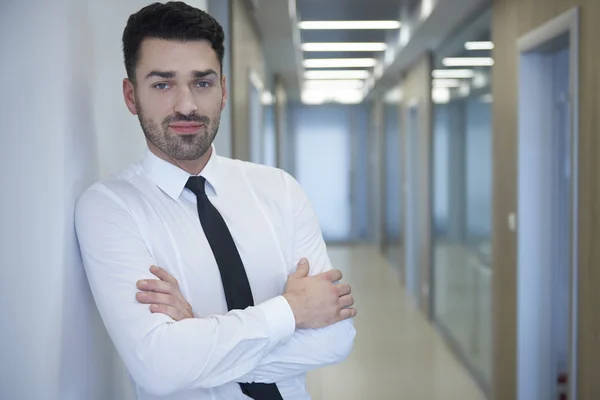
<point>280,318</point>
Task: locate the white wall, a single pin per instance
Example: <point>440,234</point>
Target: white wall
<point>64,125</point>
<point>52,344</point>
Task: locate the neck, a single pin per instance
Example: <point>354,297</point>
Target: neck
<point>192,167</point>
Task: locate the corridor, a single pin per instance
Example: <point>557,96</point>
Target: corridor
<point>449,151</point>
<point>397,353</point>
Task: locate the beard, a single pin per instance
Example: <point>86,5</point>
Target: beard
<point>180,147</point>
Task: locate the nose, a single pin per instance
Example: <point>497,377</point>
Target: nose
<point>185,103</point>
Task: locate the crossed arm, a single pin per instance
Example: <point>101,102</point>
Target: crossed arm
<point>307,348</point>
<point>259,344</point>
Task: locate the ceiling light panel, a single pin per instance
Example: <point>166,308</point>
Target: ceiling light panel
<point>344,47</point>
<point>340,74</point>
<point>316,96</point>
<point>453,73</point>
<point>440,95</point>
<point>349,25</point>
<point>468,61</point>
<point>479,45</point>
<point>340,63</point>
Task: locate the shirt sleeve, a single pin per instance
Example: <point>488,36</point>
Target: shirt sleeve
<point>308,348</point>
<point>164,356</point>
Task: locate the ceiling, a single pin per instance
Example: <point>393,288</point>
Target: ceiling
<point>346,10</point>
<point>478,29</point>
<point>278,22</point>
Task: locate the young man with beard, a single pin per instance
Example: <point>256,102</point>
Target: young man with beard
<point>246,301</point>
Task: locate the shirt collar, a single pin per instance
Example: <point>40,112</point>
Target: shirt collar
<point>171,179</point>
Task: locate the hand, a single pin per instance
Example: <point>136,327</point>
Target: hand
<point>164,295</point>
<point>317,301</point>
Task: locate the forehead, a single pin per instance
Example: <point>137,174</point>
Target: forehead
<point>172,55</point>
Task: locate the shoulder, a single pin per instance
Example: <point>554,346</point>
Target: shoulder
<point>109,193</point>
<point>270,184</point>
<point>259,175</point>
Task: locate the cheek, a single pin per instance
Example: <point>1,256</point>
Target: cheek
<point>154,107</point>
<point>209,104</point>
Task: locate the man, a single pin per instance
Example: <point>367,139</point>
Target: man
<point>246,301</point>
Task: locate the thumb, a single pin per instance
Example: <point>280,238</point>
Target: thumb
<point>302,271</point>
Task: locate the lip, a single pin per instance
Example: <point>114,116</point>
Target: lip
<point>186,128</point>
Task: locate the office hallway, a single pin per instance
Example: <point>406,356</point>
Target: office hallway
<point>398,355</point>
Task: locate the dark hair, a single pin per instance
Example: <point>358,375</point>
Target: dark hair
<point>174,20</point>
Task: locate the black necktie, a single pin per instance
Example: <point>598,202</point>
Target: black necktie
<point>233,275</point>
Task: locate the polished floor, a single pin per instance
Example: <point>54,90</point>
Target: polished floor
<point>397,355</point>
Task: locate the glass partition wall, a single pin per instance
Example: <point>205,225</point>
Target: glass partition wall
<point>462,190</point>
<point>392,173</point>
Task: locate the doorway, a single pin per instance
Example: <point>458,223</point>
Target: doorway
<point>547,199</point>
<point>323,145</point>
<point>413,209</point>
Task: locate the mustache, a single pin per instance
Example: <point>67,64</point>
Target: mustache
<point>193,117</point>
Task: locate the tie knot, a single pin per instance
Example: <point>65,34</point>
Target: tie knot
<point>196,185</point>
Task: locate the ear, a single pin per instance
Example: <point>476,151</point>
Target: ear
<point>225,94</point>
<point>129,95</point>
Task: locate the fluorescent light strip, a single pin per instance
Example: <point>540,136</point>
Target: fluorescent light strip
<point>453,73</point>
<point>468,61</point>
<point>337,96</point>
<point>340,63</point>
<point>440,95</point>
<point>343,74</point>
<point>349,25</point>
<point>344,47</point>
<point>479,45</point>
<point>312,100</point>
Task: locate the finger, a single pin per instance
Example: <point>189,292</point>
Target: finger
<point>302,270</point>
<point>346,313</point>
<point>167,310</point>
<point>155,298</point>
<point>164,275</point>
<point>346,301</point>
<point>333,275</point>
<point>157,286</point>
<point>344,289</point>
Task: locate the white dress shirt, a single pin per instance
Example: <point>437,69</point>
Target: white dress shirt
<point>145,216</point>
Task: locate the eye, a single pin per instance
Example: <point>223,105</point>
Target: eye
<point>203,84</point>
<point>161,86</point>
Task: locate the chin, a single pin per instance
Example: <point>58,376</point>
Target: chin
<point>190,155</point>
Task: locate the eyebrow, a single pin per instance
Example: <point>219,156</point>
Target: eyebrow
<point>202,74</point>
<point>161,74</point>
<point>171,74</point>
